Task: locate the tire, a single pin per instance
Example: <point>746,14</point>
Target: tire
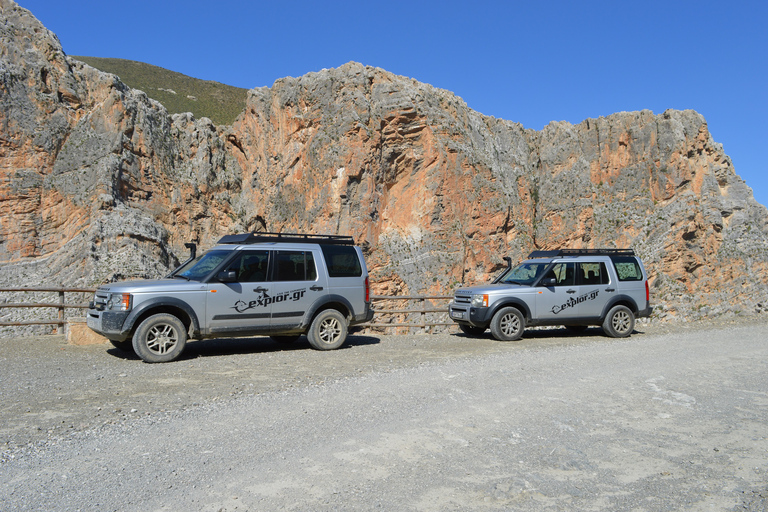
<point>125,345</point>
<point>160,338</point>
<point>471,330</point>
<point>328,330</point>
<point>508,324</point>
<point>619,322</point>
<point>286,338</point>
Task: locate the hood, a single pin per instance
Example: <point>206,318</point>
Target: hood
<point>151,285</point>
<point>489,288</point>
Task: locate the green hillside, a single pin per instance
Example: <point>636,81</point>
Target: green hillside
<point>178,93</point>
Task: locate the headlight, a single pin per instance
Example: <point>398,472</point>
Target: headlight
<point>119,302</point>
<point>480,301</point>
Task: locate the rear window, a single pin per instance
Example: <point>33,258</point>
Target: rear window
<point>294,266</point>
<point>591,273</point>
<point>627,268</point>
<point>342,261</point>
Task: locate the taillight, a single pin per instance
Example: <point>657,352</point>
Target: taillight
<point>367,290</point>
<point>647,292</point>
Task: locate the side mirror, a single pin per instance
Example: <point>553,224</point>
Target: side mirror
<point>549,281</point>
<point>228,276</point>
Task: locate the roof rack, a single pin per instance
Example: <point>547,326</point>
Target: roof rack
<point>581,252</point>
<point>254,238</point>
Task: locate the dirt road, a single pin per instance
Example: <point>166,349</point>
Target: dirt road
<point>673,418</point>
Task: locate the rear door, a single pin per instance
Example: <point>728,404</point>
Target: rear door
<point>593,293</point>
<point>295,287</point>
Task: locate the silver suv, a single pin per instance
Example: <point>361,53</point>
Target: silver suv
<point>250,284</point>
<point>571,287</point>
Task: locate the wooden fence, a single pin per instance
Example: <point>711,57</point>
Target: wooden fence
<point>431,310</point>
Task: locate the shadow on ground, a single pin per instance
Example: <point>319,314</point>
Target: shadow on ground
<point>238,346</point>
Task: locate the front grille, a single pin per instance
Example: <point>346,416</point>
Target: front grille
<point>100,299</point>
<point>462,298</point>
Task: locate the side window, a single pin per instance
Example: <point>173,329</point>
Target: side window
<point>591,273</point>
<point>294,266</point>
<point>627,268</point>
<point>342,261</point>
<point>563,274</point>
<point>250,266</point>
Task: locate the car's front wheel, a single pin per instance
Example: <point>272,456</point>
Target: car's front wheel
<point>160,338</point>
<point>328,330</point>
<point>619,322</point>
<point>508,324</point>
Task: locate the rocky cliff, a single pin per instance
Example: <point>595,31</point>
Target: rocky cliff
<point>98,182</point>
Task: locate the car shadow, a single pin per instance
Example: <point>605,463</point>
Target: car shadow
<point>237,346</point>
<point>547,332</point>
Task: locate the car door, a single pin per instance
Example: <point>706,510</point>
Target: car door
<point>240,303</point>
<point>591,280</point>
<point>558,299</point>
<point>296,285</point>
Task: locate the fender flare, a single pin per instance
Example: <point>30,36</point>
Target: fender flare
<point>159,303</point>
<point>323,301</point>
<point>626,299</point>
<point>513,302</point>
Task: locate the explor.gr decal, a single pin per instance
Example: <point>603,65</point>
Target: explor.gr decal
<point>575,300</point>
<point>264,299</point>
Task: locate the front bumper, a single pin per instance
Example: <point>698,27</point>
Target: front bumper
<point>464,314</point>
<point>108,323</point>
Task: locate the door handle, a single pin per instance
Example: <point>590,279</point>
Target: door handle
<point>610,289</point>
<point>260,289</point>
<point>570,291</point>
<point>315,288</point>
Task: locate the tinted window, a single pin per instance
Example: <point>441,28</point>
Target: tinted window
<point>250,266</point>
<point>591,273</point>
<point>627,268</point>
<point>563,274</point>
<point>342,261</point>
<point>295,266</point>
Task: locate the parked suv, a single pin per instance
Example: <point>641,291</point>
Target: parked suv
<point>249,284</point>
<point>571,287</point>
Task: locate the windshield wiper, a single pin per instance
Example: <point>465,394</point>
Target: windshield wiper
<point>183,277</point>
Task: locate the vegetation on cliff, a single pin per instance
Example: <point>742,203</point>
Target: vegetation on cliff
<point>178,93</point>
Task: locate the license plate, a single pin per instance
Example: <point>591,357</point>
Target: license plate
<point>457,314</point>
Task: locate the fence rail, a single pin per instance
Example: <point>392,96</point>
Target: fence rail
<point>427,314</point>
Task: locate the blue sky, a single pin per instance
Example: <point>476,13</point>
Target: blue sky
<point>530,62</point>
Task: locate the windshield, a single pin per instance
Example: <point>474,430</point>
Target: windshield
<point>203,265</point>
<point>524,273</point>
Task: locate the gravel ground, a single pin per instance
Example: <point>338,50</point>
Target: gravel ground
<point>672,418</point>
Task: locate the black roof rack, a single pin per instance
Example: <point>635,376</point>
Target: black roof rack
<point>581,252</point>
<point>254,238</point>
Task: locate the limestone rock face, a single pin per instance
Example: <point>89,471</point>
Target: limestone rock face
<point>98,182</point>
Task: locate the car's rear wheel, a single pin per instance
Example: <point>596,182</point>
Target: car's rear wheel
<point>160,338</point>
<point>508,324</point>
<point>619,322</point>
<point>328,330</point>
